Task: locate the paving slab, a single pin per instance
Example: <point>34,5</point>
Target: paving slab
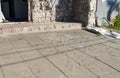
<point>64,48</point>
<point>111,75</point>
<point>1,75</point>
<point>117,41</point>
<point>5,45</point>
<point>31,54</point>
<point>105,57</point>
<point>48,51</point>
<point>8,59</point>
<point>22,49</point>
<point>19,43</point>
<point>18,71</point>
<point>56,38</point>
<point>70,68</point>
<point>112,45</point>
<point>6,51</point>
<point>44,69</point>
<point>97,67</point>
<point>35,41</point>
<point>62,54</point>
<point>107,49</point>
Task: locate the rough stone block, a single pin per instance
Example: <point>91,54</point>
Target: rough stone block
<point>6,30</point>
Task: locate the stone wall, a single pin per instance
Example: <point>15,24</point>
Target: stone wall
<point>41,11</point>
<point>92,13</point>
<point>46,11</point>
<point>64,10</point>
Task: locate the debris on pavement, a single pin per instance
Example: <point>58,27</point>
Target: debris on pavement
<point>105,32</point>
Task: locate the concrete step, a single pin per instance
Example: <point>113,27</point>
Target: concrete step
<point>16,28</point>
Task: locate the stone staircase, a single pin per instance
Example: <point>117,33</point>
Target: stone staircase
<point>16,28</point>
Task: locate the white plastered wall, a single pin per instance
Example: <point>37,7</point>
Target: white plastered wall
<point>1,14</point>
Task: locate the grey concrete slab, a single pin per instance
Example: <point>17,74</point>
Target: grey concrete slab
<point>44,69</point>
<point>112,45</point>
<point>90,63</point>
<point>31,54</point>
<point>111,75</point>
<point>69,54</point>
<point>107,49</point>
<point>6,51</point>
<point>117,41</point>
<point>35,41</point>
<point>1,75</point>
<point>8,59</point>
<point>48,51</point>
<point>19,43</point>
<point>22,49</point>
<point>5,45</point>
<point>18,71</point>
<point>56,38</point>
<point>70,68</point>
<point>66,47</point>
<point>105,57</point>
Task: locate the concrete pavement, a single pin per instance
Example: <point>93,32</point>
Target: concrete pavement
<point>63,54</point>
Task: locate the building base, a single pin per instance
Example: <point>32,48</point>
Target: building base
<point>17,28</point>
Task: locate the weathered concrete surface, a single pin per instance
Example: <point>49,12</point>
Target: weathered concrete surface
<point>1,75</point>
<point>63,54</point>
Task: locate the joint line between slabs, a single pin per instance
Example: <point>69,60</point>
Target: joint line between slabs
<point>81,65</point>
<point>50,62</point>
<point>101,61</point>
<point>2,71</point>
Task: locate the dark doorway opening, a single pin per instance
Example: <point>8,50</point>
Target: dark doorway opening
<point>64,11</point>
<point>11,9</point>
<point>75,8</point>
<point>80,11</point>
<point>15,10</point>
<point>68,11</point>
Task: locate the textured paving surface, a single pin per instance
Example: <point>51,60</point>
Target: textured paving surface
<point>64,54</point>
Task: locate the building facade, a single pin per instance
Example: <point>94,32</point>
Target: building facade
<point>42,11</point>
